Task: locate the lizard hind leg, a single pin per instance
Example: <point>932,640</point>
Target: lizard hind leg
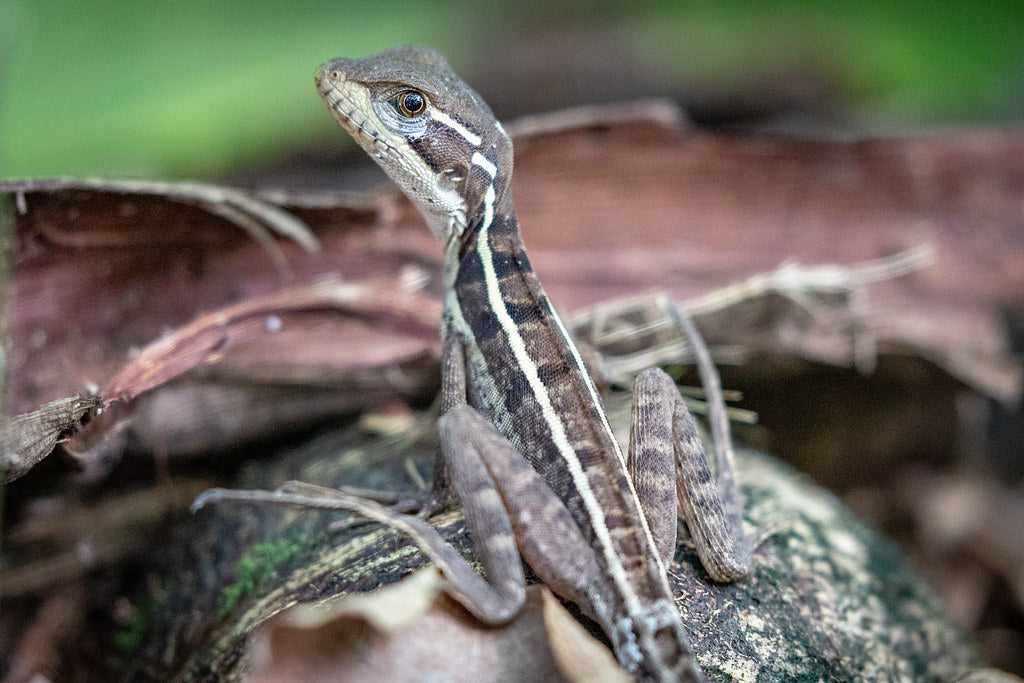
<point>670,469</point>
<point>650,459</point>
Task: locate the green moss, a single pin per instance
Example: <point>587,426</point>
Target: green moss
<point>256,567</point>
<point>129,636</point>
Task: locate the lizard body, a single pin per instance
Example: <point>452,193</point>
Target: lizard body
<point>522,373</point>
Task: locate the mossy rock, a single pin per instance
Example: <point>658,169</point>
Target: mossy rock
<point>828,599</point>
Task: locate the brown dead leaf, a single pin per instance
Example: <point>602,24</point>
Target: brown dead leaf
<point>679,210</point>
<point>28,438</point>
<point>98,271</point>
<point>207,339</point>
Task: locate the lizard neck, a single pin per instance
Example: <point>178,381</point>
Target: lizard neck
<point>527,355</point>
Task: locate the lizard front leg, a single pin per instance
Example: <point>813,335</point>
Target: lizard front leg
<point>541,526</point>
<point>505,501</point>
<point>494,482</point>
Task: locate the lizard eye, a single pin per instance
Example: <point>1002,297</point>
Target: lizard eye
<point>409,103</point>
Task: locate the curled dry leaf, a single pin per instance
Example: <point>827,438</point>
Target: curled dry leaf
<point>99,270</point>
<point>207,339</point>
<point>102,268</point>
<point>28,438</point>
<point>101,261</point>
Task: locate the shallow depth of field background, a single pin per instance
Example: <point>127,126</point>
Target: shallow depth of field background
<point>170,90</point>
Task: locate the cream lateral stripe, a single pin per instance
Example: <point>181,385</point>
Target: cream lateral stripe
<point>604,421</point>
<point>558,436</point>
<point>608,428</point>
<point>470,137</point>
<point>586,375</point>
<point>491,170</point>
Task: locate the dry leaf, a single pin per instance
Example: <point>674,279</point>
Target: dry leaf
<point>411,630</point>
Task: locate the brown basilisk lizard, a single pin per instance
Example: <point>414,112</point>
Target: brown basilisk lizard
<point>524,434</point>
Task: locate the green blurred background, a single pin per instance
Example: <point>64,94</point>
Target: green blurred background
<point>190,89</point>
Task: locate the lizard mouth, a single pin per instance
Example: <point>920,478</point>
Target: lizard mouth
<point>352,105</point>
<point>343,97</point>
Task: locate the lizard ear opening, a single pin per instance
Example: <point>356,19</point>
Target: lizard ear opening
<point>453,176</point>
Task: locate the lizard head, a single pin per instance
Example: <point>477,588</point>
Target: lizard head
<point>427,129</point>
